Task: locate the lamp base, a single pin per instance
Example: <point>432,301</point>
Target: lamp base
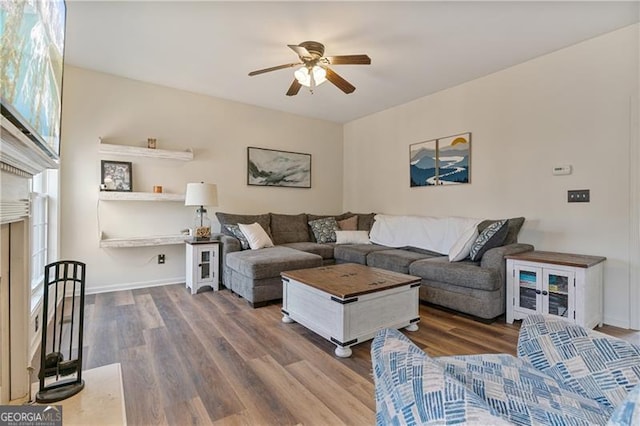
<point>202,233</point>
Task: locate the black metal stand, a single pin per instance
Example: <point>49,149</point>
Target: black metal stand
<point>62,280</point>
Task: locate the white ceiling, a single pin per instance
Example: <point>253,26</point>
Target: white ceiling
<point>417,48</point>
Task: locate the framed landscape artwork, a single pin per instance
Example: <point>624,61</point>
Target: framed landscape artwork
<point>116,176</point>
<point>443,161</point>
<point>268,167</point>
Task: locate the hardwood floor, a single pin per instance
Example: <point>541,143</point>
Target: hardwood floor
<point>211,359</point>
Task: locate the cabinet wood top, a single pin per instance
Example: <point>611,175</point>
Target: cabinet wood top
<point>567,259</point>
<point>349,280</point>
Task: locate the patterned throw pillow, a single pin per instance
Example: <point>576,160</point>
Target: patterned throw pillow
<point>324,229</point>
<point>492,236</point>
<point>235,230</point>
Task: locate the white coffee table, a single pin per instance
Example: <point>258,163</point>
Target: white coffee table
<point>348,303</point>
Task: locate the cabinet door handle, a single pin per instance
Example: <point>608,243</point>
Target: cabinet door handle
<point>544,292</point>
<point>538,291</point>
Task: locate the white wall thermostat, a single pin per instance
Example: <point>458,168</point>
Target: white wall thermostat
<point>562,170</point>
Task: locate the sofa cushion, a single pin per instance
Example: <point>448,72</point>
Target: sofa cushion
<point>355,253</point>
<point>233,219</point>
<point>396,260</point>
<point>514,225</point>
<point>289,228</point>
<point>324,250</point>
<point>465,273</point>
<point>349,224</point>
<point>270,262</point>
<point>237,232</point>
<point>492,236</point>
<point>324,230</point>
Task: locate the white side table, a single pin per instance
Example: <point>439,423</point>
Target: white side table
<point>203,264</point>
<point>563,284</point>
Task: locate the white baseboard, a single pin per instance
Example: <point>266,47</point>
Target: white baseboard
<point>617,322</point>
<point>133,286</point>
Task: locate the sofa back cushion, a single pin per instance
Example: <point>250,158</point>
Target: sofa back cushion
<point>289,228</point>
<point>365,221</point>
<point>247,219</point>
<point>514,225</point>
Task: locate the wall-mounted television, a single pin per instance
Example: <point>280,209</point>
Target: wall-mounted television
<point>32,51</point>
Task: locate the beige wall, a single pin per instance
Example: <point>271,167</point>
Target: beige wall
<point>569,107</point>
<point>127,112</point>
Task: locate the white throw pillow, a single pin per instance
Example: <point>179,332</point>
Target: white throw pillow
<point>256,236</point>
<point>352,237</point>
<point>461,249</point>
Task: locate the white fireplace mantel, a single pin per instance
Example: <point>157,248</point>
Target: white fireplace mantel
<point>18,151</point>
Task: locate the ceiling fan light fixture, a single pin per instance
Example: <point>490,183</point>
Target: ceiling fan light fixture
<point>304,77</point>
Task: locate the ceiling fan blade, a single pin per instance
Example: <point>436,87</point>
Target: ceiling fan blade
<point>349,60</point>
<point>300,51</point>
<point>339,82</point>
<point>294,88</point>
<point>279,67</point>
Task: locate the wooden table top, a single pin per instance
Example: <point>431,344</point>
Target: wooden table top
<point>567,259</point>
<point>350,279</point>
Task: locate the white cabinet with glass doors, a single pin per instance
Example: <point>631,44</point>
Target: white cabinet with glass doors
<point>561,284</point>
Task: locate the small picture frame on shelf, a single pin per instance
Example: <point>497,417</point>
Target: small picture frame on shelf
<point>116,176</point>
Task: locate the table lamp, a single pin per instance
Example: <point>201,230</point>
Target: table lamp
<point>201,194</point>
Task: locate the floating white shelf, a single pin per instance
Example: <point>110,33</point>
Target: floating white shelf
<point>139,196</point>
<point>135,151</point>
<point>160,240</point>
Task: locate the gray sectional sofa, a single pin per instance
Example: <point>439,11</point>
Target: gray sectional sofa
<point>475,288</point>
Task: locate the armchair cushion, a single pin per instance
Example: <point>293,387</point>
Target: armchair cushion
<point>412,388</point>
<point>627,413</point>
<point>597,366</point>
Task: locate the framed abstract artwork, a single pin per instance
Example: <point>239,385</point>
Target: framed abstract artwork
<point>116,176</point>
<point>443,161</point>
<point>268,167</point>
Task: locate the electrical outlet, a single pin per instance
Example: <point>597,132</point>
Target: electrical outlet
<point>161,259</point>
<point>578,196</point>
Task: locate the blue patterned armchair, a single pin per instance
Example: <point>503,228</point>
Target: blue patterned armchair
<point>563,374</point>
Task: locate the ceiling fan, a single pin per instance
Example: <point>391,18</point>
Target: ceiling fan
<point>315,67</point>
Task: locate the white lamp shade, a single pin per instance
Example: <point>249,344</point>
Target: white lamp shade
<point>201,194</point>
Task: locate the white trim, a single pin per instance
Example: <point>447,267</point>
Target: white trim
<point>634,213</point>
<point>134,286</point>
<point>616,322</point>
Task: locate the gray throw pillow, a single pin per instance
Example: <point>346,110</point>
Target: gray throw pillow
<point>492,236</point>
<point>237,232</point>
<point>324,229</point>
